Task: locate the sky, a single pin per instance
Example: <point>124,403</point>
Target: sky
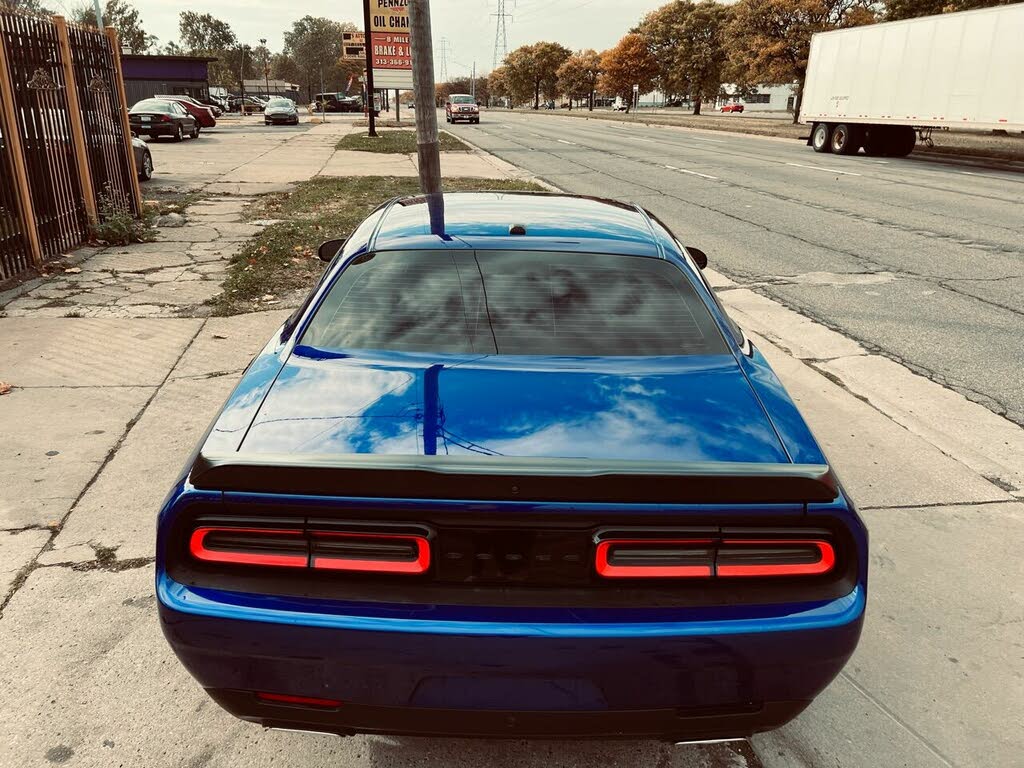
<point>467,25</point>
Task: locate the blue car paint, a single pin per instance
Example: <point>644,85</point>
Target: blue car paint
<point>365,652</point>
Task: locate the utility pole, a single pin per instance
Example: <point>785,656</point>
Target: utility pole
<point>369,71</point>
<point>426,105</point>
<point>472,83</point>
<point>99,13</point>
<point>266,64</point>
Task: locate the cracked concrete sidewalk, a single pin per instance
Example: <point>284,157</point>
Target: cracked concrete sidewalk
<point>108,406</point>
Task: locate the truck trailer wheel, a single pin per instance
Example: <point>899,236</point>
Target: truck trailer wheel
<point>876,140</point>
<point>821,137</point>
<point>901,141</point>
<point>846,139</point>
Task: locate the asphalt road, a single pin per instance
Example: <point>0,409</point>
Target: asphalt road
<point>919,260</point>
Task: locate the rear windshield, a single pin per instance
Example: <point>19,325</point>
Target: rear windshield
<point>152,105</point>
<point>513,303</point>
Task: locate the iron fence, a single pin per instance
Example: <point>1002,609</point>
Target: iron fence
<point>67,143</point>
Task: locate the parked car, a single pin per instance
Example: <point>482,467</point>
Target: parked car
<point>281,112</point>
<point>510,470</point>
<point>461,106</point>
<point>732,107</point>
<point>202,113</point>
<point>218,107</point>
<point>143,158</point>
<point>160,117</point>
<point>250,103</point>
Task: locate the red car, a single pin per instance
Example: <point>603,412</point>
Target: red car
<point>202,113</point>
<point>732,107</point>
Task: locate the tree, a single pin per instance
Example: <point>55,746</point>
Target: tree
<point>770,40</point>
<point>703,56</point>
<point>33,7</point>
<point>314,43</point>
<point>124,18</point>
<point>911,9</point>
<point>578,75</point>
<point>662,29</point>
<point>533,70</point>
<point>627,64</point>
<point>497,83</point>
<point>204,35</point>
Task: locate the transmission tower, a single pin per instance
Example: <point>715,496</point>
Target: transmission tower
<point>443,69</point>
<point>500,34</point>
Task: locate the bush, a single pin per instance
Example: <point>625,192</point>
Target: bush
<point>118,225</point>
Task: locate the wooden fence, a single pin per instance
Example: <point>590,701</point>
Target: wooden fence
<point>65,142</point>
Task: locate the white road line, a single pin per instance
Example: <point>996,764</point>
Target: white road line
<point>571,143</point>
<point>699,138</point>
<point>637,138</point>
<point>827,170</point>
<point>702,175</point>
<point>671,167</point>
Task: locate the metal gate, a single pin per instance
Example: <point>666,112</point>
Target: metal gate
<point>105,141</point>
<point>67,142</point>
<point>14,252</point>
<point>41,110</point>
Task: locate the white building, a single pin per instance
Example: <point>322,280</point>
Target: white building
<point>769,98</point>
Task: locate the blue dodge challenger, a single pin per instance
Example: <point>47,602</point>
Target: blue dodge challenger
<point>511,470</point>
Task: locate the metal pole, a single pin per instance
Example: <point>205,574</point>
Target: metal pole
<point>266,65</point>
<point>426,106</point>
<point>369,70</point>
<point>99,13</point>
<point>323,102</point>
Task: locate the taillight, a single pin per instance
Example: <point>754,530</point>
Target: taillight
<point>297,701</point>
<point>360,551</point>
<point>655,559</point>
<point>774,557</point>
<point>370,552</point>
<point>662,556</point>
<point>250,546</point>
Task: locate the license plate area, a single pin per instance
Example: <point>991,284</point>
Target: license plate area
<point>513,556</point>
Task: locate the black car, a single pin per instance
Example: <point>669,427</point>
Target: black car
<point>156,117</point>
<point>143,159</point>
<point>280,111</point>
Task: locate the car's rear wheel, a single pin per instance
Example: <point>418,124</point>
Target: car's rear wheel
<point>177,132</point>
<point>821,138</point>
<point>846,139</point>
<point>195,131</point>
<point>146,171</point>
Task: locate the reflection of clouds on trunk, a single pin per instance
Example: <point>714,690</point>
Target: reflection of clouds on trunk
<point>515,303</point>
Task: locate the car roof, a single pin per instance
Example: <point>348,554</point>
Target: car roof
<point>552,221</point>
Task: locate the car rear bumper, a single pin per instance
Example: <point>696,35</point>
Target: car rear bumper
<point>709,678</point>
<point>153,130</point>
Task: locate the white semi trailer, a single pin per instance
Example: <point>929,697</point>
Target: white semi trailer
<point>877,87</point>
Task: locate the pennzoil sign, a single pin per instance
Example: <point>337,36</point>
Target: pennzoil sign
<point>389,43</point>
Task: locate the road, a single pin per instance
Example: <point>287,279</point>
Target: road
<point>918,260</point>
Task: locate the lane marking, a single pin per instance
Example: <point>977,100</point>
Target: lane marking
<point>563,141</point>
<point>700,138</point>
<point>702,175</point>
<point>671,167</point>
<point>827,170</point>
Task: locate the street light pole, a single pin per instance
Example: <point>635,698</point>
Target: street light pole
<point>266,64</point>
<point>99,13</point>
<point>427,142</point>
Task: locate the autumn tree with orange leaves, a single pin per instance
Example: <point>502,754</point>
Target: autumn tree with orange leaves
<point>627,64</point>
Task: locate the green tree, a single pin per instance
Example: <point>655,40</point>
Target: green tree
<point>911,9</point>
<point>25,6</point>
<point>314,43</point>
<point>204,35</point>
<point>702,58</point>
<point>124,17</point>
<point>770,40</point>
<point>662,29</point>
<point>578,76</point>
<point>627,64</point>
<point>533,70</point>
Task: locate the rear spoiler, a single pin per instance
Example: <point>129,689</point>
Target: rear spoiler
<point>500,478</point>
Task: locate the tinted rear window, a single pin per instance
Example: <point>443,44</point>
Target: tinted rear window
<point>152,105</point>
<point>515,304</point>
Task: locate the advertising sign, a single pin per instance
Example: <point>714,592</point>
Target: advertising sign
<point>389,44</point>
<point>354,45</point>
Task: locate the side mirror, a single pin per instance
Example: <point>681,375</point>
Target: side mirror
<point>698,256</point>
<point>329,249</point>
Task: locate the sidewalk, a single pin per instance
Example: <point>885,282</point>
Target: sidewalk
<point>107,406</point>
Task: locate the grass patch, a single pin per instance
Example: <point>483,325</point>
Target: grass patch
<point>397,142</point>
<point>281,261</point>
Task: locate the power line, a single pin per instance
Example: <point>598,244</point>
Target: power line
<point>500,34</point>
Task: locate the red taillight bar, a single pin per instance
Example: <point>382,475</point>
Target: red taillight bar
<point>826,559</point>
<point>718,553</point>
<point>369,552</point>
<point>689,571</point>
<point>421,563</point>
<point>303,701</point>
<point>200,551</point>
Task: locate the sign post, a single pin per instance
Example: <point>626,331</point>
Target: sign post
<point>369,70</point>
